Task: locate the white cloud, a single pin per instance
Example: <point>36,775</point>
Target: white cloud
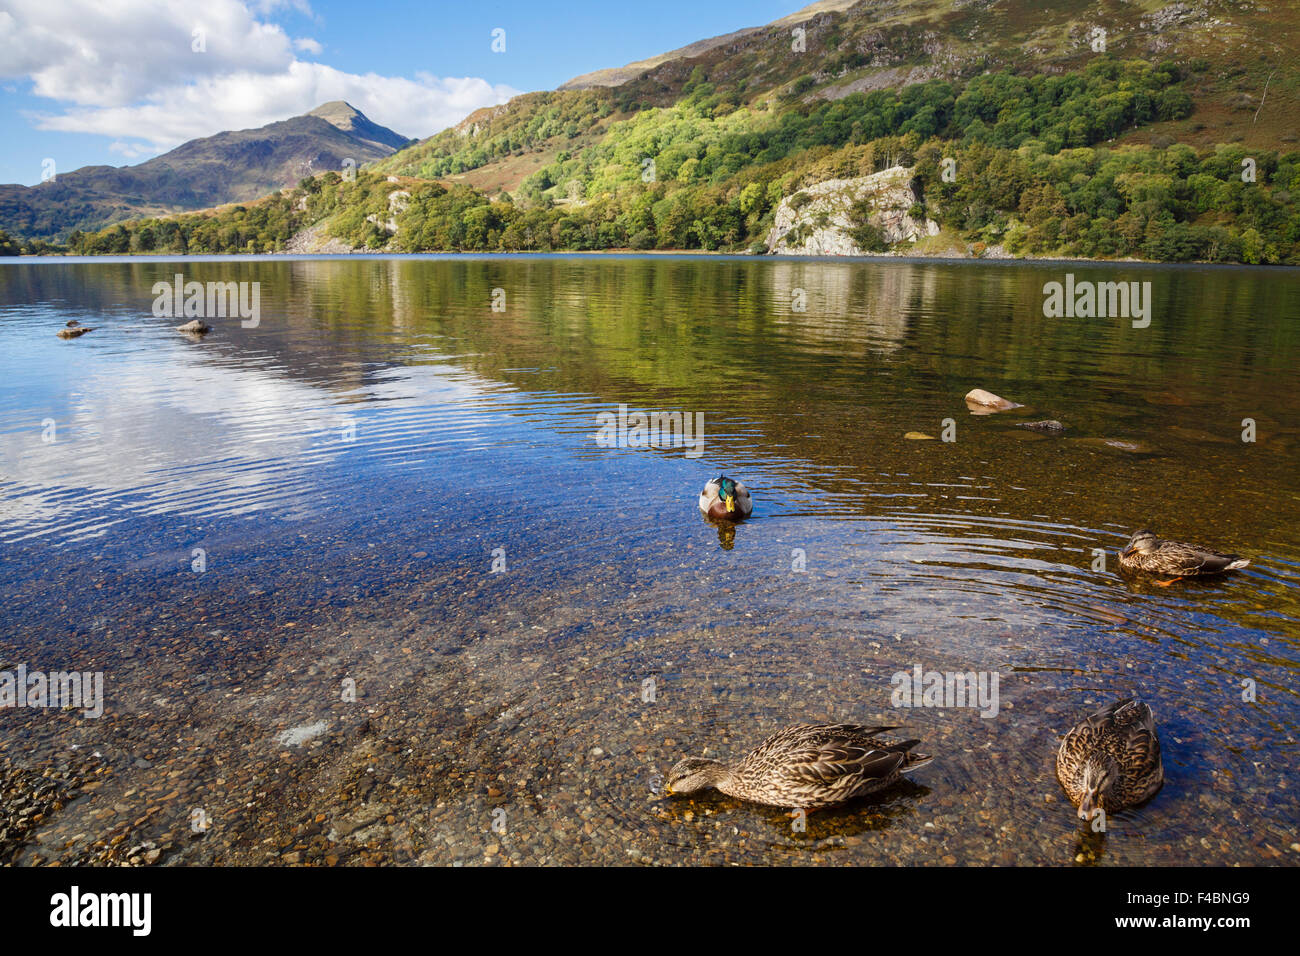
<point>110,54</point>
<point>128,70</point>
<point>270,6</point>
<point>131,150</point>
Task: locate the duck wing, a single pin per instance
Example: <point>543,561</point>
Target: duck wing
<point>831,762</point>
<point>1119,717</point>
<point>826,753</point>
<point>1130,712</point>
<point>1127,728</point>
<point>1195,560</point>
<point>1097,727</point>
<point>709,496</point>
<point>1137,724</point>
<point>1138,751</point>
<point>1141,750</point>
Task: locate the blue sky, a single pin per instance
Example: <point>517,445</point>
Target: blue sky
<point>93,82</point>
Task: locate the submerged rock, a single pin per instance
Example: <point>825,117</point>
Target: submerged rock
<point>984,403</point>
<point>1048,426</point>
<point>1117,444</point>
<point>297,736</point>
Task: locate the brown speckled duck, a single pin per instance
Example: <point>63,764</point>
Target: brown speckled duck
<point>807,767</point>
<point>1111,760</point>
<point>73,329</point>
<point>1175,559</point>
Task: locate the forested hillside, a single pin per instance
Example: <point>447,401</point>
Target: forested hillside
<point>1172,135</point>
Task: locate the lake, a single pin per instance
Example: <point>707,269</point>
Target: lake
<point>374,580</point>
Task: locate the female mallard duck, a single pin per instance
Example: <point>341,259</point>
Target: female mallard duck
<point>1111,760</point>
<point>726,499</point>
<point>1146,552</point>
<point>73,329</point>
<point>805,767</point>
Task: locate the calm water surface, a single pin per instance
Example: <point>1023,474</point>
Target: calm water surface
<point>347,473</point>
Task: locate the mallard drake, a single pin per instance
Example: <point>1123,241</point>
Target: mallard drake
<point>1177,559</point>
<point>804,767</point>
<point>1111,760</point>
<point>726,499</point>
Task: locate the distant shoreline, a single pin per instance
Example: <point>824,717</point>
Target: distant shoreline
<point>634,254</point>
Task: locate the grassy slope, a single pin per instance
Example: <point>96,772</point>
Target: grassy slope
<point>1243,43</point>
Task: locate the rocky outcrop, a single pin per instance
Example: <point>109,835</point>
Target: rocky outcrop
<point>478,121</point>
<point>1173,15</point>
<point>888,78</point>
<point>398,200</point>
<point>820,220</point>
<point>313,240</point>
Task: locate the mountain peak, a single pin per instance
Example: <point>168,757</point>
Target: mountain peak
<point>345,116</point>
<point>232,166</point>
<point>338,112</point>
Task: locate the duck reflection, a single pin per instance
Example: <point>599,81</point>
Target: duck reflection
<point>873,814</point>
<point>726,532</point>
<point>1089,846</point>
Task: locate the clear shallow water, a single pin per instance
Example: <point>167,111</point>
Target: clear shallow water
<point>349,466</point>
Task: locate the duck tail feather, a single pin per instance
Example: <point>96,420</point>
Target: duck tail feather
<point>915,762</point>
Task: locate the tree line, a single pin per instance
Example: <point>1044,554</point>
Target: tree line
<point>1020,161</point>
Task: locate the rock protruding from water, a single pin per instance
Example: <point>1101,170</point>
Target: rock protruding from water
<point>818,220</point>
<point>196,327</point>
<point>985,403</point>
